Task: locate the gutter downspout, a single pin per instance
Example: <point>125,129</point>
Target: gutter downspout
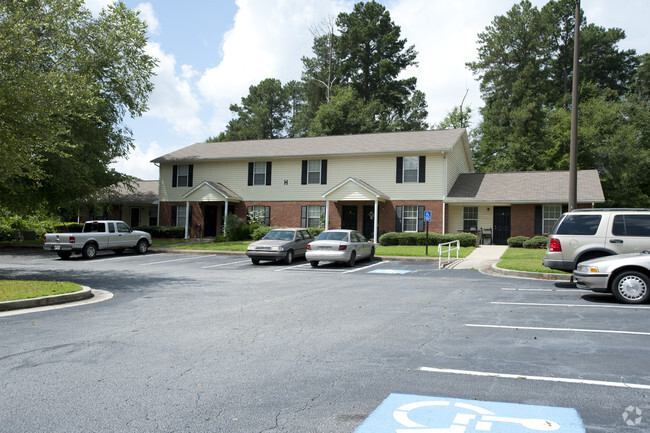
<point>444,189</point>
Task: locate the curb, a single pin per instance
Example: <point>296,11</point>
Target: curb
<point>44,301</point>
<point>526,274</point>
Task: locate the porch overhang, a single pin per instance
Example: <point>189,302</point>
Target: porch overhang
<point>211,191</point>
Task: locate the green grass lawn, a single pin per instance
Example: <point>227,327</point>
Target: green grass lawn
<point>525,259</point>
<point>14,290</point>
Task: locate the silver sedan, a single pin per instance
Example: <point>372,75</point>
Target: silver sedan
<point>345,246</point>
<point>626,276</point>
<point>280,244</point>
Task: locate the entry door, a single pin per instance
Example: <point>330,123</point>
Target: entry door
<point>135,217</point>
<point>369,222</point>
<point>210,221</point>
<point>501,231</point>
<point>349,220</point>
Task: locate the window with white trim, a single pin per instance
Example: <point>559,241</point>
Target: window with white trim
<point>259,173</point>
<point>410,218</point>
<point>410,169</point>
<point>550,214</point>
<point>182,175</point>
<point>180,216</point>
<point>313,216</point>
<point>313,171</point>
<point>470,218</point>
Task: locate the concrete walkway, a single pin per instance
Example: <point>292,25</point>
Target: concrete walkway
<point>482,257</point>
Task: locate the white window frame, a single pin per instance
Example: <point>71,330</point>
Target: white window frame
<point>180,215</point>
<point>313,216</point>
<point>470,218</point>
<point>550,214</point>
<point>410,218</point>
<point>259,173</point>
<point>258,211</point>
<point>314,167</point>
<point>411,169</point>
<point>182,175</point>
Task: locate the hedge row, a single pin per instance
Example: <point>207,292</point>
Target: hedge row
<point>393,238</point>
<point>260,232</point>
<point>163,231</point>
<point>527,242</point>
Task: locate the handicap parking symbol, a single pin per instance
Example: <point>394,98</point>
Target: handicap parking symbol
<point>403,413</point>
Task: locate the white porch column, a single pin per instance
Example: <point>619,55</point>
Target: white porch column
<point>187,218</point>
<point>225,214</point>
<point>375,219</point>
<point>327,214</point>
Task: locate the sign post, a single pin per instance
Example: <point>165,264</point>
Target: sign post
<point>427,219</point>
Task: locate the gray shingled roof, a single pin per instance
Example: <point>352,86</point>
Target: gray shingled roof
<point>144,191</point>
<point>387,142</point>
<point>525,187</point>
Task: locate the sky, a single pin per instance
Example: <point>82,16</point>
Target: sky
<point>211,51</point>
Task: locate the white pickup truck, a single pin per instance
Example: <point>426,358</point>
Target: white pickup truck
<point>95,236</point>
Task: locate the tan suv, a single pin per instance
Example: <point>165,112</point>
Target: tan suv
<point>584,234</point>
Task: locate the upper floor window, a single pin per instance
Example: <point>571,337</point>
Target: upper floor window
<point>182,175</point>
<point>314,171</point>
<point>411,169</point>
<point>259,173</point>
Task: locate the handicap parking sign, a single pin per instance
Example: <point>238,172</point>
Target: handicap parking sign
<point>403,413</point>
<point>427,216</point>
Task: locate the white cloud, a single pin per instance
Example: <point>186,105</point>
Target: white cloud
<point>139,161</point>
<point>147,15</point>
<point>172,99</point>
<point>267,40</point>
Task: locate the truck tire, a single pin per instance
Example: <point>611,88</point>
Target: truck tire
<point>89,251</point>
<point>65,255</point>
<point>142,246</point>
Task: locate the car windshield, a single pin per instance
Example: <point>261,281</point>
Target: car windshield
<point>332,236</point>
<point>279,235</point>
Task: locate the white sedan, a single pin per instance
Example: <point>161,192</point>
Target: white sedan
<point>345,246</point>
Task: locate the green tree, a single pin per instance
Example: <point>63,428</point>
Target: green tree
<point>67,80</point>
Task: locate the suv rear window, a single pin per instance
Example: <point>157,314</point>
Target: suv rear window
<point>584,225</point>
<point>631,225</point>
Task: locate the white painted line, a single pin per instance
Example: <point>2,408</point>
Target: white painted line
<point>544,290</point>
<point>198,256</point>
<point>363,268</point>
<point>532,328</point>
<point>304,265</point>
<point>224,264</point>
<point>532,304</point>
<point>538,378</point>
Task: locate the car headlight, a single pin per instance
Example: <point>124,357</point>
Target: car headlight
<point>588,268</point>
<point>277,248</point>
<point>251,247</point>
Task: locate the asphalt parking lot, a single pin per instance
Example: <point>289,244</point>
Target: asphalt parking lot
<point>214,343</point>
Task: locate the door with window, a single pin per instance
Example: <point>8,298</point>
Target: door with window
<point>349,219</point>
<point>501,231</point>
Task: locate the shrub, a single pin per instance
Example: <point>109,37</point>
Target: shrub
<point>517,241</point>
<point>163,231</point>
<point>39,222</point>
<point>232,227</point>
<point>68,228</point>
<point>536,242</point>
<point>315,231</point>
<point>260,232</point>
<point>393,238</point>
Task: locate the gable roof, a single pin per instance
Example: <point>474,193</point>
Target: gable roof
<point>141,191</point>
<point>360,184</point>
<point>360,144</point>
<point>217,187</point>
<point>525,187</point>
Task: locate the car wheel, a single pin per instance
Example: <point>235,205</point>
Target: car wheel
<point>89,251</point>
<point>313,264</point>
<point>142,246</point>
<point>65,255</point>
<point>353,258</point>
<point>631,287</point>
<point>288,259</point>
<point>372,254</point>
<point>255,261</point>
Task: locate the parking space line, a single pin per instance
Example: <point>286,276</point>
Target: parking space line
<point>303,265</point>
<point>538,378</point>
<point>364,267</point>
<point>224,264</point>
<point>198,256</point>
<point>532,304</point>
<point>533,328</point>
<point>514,289</point>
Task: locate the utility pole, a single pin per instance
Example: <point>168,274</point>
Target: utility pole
<point>573,165</point>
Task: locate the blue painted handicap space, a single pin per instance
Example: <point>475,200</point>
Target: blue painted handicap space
<point>403,413</point>
<point>390,271</point>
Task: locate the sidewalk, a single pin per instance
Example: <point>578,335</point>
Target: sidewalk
<point>484,256</point>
